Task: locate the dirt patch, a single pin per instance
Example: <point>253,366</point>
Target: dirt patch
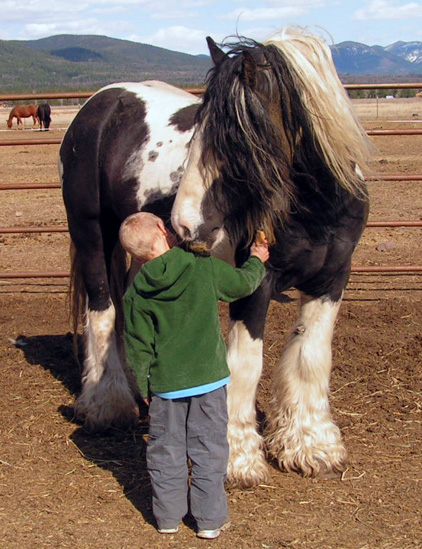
<point>61,487</point>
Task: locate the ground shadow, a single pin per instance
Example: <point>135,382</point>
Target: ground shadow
<point>55,354</point>
<point>120,452</point>
<point>123,455</point>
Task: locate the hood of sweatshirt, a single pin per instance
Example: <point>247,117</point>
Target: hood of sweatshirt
<point>167,276</point>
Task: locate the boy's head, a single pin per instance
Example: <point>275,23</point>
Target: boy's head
<point>144,236</point>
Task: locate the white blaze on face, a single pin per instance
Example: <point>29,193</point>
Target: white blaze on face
<point>187,213</point>
<point>158,165</point>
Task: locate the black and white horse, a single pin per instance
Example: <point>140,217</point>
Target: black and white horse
<point>273,144</point>
<point>44,116</point>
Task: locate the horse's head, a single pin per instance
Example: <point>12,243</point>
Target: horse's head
<point>237,176</point>
<point>195,215</point>
<point>47,121</point>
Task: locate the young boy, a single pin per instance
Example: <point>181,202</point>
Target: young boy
<point>176,350</point>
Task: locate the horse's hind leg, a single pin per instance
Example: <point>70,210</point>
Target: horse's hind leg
<point>106,399</point>
<point>300,433</point>
<point>247,464</point>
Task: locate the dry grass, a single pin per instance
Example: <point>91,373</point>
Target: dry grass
<point>389,109</point>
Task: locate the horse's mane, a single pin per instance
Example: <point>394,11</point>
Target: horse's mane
<point>337,130</point>
<point>313,126</point>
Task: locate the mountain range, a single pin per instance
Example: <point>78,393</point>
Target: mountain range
<point>86,62</point>
<point>400,58</point>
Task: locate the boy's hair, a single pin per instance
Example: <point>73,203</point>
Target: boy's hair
<point>138,233</point>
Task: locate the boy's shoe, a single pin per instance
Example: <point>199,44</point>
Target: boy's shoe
<point>168,530</point>
<point>212,534</point>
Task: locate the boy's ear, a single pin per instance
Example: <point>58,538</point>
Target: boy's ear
<point>163,229</point>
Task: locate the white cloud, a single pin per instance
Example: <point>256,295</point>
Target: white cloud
<point>384,9</point>
<point>175,14</point>
<point>289,3</point>
<point>76,26</point>
<point>39,11</point>
<point>196,3</point>
<point>178,38</point>
<point>263,14</point>
<point>304,3</point>
<point>111,10</point>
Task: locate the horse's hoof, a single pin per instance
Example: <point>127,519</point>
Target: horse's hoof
<point>95,422</point>
<point>330,473</point>
<point>124,422</point>
<point>250,477</point>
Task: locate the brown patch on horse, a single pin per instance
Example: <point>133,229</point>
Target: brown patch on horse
<point>184,119</point>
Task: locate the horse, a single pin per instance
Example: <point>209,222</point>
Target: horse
<point>23,111</point>
<point>44,115</point>
<point>273,144</point>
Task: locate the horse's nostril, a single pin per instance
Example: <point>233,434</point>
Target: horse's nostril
<point>187,235</point>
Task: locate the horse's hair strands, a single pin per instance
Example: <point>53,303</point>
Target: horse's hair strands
<point>339,134</point>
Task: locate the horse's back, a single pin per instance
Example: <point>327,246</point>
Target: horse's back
<point>25,110</point>
<point>128,142</point>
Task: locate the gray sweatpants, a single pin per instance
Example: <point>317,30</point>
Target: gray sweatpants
<point>194,428</point>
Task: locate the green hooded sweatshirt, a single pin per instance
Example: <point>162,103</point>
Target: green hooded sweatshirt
<point>172,334</point>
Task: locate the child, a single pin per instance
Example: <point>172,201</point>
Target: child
<point>176,350</point>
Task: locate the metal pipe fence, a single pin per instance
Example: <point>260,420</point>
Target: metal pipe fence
<point>198,91</point>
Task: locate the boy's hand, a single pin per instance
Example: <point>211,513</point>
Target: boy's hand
<point>261,252</point>
<point>260,247</point>
<point>147,401</point>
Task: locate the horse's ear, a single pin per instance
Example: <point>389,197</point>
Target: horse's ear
<point>217,54</point>
<point>249,70</point>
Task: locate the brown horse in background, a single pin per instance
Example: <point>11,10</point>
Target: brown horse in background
<point>23,111</point>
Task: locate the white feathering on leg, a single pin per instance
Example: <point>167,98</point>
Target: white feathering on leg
<point>300,433</point>
<point>106,398</point>
<point>247,464</point>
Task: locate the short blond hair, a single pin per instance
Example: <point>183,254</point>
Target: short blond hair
<point>138,232</point>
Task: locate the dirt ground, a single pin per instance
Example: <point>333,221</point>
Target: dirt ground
<point>60,487</point>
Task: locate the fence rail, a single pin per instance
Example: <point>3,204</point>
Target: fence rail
<point>63,228</point>
<point>195,91</point>
<point>57,141</point>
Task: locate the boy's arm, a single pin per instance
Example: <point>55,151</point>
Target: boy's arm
<point>139,344</point>
<point>234,283</point>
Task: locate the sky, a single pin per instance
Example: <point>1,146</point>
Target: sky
<point>182,25</point>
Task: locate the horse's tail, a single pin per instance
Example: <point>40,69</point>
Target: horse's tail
<point>118,277</point>
<point>77,293</point>
<point>337,132</point>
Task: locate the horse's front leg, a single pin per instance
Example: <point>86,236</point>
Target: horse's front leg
<point>247,463</point>
<point>300,433</point>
